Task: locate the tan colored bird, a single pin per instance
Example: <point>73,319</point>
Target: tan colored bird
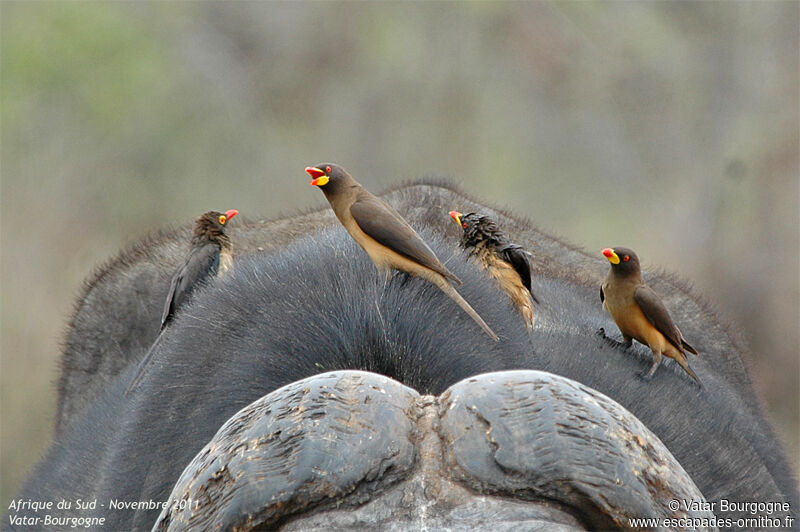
<point>639,312</point>
<point>386,237</point>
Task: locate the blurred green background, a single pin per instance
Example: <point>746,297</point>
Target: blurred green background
<point>670,127</point>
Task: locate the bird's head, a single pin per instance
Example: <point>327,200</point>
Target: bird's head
<point>476,228</point>
<point>327,176</point>
<point>212,223</point>
<point>623,260</point>
<point>221,219</point>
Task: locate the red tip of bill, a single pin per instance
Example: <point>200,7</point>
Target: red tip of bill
<point>314,172</point>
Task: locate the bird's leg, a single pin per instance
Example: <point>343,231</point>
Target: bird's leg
<point>656,361</point>
<point>625,344</point>
<point>627,341</point>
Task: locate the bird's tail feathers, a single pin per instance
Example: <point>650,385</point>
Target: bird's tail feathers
<point>450,275</point>
<point>534,298</point>
<point>685,365</point>
<point>455,296</point>
<point>688,347</point>
<point>140,372</point>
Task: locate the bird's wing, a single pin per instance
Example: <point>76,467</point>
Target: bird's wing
<point>169,304</point>
<point>518,259</point>
<point>657,314</point>
<point>686,345</point>
<point>202,262</point>
<point>381,223</point>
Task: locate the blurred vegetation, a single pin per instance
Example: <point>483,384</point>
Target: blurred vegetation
<point>670,127</point>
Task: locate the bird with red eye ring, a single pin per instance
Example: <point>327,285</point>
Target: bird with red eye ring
<point>639,312</point>
<point>328,178</point>
<point>389,241</point>
<point>506,262</point>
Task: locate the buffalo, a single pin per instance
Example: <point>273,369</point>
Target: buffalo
<point>305,390</point>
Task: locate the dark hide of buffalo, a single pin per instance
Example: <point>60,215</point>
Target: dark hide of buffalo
<point>303,299</point>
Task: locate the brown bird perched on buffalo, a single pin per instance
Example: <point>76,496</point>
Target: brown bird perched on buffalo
<point>639,312</point>
<point>385,236</point>
<point>210,254</point>
<point>508,263</point>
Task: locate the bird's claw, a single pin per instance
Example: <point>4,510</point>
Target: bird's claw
<point>601,332</point>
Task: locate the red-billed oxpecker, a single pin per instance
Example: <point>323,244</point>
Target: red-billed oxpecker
<point>506,262</point>
<point>210,255</point>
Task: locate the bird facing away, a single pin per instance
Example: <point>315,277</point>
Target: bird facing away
<point>384,235</point>
<point>210,255</point>
<point>506,262</point>
<point>639,312</point>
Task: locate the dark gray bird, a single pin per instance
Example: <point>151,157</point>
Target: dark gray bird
<point>386,237</point>
<point>210,255</point>
<point>506,262</point>
<point>639,312</point>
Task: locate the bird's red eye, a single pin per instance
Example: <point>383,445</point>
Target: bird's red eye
<point>626,258</point>
<point>464,225</point>
<point>328,169</point>
<point>222,220</point>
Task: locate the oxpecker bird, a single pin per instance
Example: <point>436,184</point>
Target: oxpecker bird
<point>639,312</point>
<point>385,236</point>
<point>210,255</point>
<point>506,262</point>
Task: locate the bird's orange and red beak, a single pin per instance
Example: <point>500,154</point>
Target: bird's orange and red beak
<point>612,257</point>
<point>455,215</point>
<point>319,176</point>
<point>225,218</point>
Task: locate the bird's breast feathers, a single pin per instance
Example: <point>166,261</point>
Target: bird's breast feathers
<point>620,304</point>
<point>225,261</point>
